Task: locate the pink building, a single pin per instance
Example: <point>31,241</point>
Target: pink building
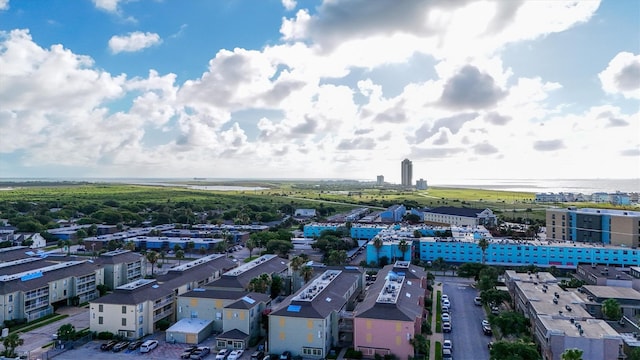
<point>392,312</point>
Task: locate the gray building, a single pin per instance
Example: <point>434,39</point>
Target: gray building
<point>407,173</point>
<point>237,279</point>
<point>121,267</point>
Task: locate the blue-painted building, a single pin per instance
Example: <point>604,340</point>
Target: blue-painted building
<point>393,214</point>
<point>517,253</point>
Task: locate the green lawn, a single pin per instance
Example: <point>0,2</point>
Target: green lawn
<point>438,312</point>
<point>438,350</point>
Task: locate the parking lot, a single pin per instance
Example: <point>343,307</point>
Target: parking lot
<point>164,351</point>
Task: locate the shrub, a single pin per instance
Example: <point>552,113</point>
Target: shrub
<point>352,354</point>
<point>105,335</point>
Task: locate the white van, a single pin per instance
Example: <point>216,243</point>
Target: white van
<point>148,346</point>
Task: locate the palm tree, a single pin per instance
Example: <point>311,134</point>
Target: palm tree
<point>296,263</point>
<point>179,255</point>
<point>163,256</point>
<point>306,272</point>
<point>483,244</point>
<point>130,245</point>
<point>11,342</point>
<point>377,243</point>
<point>403,246</point>
<point>152,258</point>
<point>250,244</point>
<point>572,354</point>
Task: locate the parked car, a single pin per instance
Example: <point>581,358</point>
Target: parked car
<point>444,297</point>
<point>445,309</point>
<point>120,346</point>
<point>257,355</point>
<point>108,345</point>
<point>188,351</point>
<point>134,345</point>
<point>447,354</point>
<point>200,353</point>
<point>487,330</point>
<point>447,344</point>
<point>235,354</point>
<point>148,346</point>
<point>446,327</point>
<point>285,355</point>
<point>446,317</point>
<point>222,354</point>
<point>477,301</point>
<point>446,303</point>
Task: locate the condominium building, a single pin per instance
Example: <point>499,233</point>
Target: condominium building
<point>407,173</point>
<point>238,278</point>
<point>121,267</point>
<point>600,226</point>
<point>392,312</point>
<point>307,323</point>
<point>460,216</point>
<point>30,288</point>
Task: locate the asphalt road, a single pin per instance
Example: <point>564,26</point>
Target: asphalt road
<point>469,343</point>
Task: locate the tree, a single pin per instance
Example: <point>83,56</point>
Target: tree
<point>519,350</point>
<point>66,332</point>
<point>484,245</point>
<point>10,343</point>
<point>276,286</point>
<point>403,246</point>
<point>163,256</point>
<point>179,255</point>
<point>250,244</point>
<point>152,258</point>
<point>306,272</point>
<point>494,296</point>
<point>572,354</point>
<point>281,247</point>
<point>611,309</point>
<point>487,278</point>
<point>336,257</point>
<point>296,263</point>
<point>260,284</point>
<point>468,270</point>
<point>377,243</point>
<point>634,354</point>
<point>510,323</point>
<point>130,245</point>
<point>419,344</point>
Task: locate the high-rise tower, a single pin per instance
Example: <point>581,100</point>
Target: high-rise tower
<point>407,172</point>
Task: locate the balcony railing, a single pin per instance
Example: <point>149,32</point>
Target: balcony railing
<point>36,294</point>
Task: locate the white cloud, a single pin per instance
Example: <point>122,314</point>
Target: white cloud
<point>107,5</point>
<point>134,41</point>
<point>622,75</point>
<point>289,4</point>
<point>4,5</point>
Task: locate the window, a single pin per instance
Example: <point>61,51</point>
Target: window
<point>312,351</point>
<point>124,309</point>
<point>11,298</point>
<point>140,320</point>
<point>100,308</point>
<point>100,320</point>
<point>124,321</point>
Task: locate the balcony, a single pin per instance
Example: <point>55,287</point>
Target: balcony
<point>162,302</point>
<point>35,305</point>
<point>36,294</point>
<point>162,314</point>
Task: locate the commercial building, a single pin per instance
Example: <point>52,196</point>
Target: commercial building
<point>460,216</point>
<point>407,173</point>
<point>308,322</point>
<point>392,312</point>
<point>599,226</point>
<point>627,298</point>
<point>594,274</point>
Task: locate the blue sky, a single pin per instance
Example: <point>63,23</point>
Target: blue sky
<point>320,89</point>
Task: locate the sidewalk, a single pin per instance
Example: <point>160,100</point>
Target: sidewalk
<point>435,337</point>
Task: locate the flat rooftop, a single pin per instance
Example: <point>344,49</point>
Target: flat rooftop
<point>591,328</point>
<point>543,302</point>
<point>615,292</point>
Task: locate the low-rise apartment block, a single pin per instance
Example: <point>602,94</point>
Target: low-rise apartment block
<point>238,278</point>
<point>307,323</point>
<point>392,312</point>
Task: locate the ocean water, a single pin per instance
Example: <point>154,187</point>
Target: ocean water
<point>584,186</point>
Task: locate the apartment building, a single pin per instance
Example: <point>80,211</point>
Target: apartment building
<point>234,315</point>
<point>460,216</point>
<point>393,214</point>
<point>307,322</point>
<point>599,226</point>
<point>238,278</point>
<point>627,298</point>
<point>392,312</point>
<point>144,303</point>
<point>30,288</point>
<point>594,274</point>
<point>121,267</point>
<point>560,320</point>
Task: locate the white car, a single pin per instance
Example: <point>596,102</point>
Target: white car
<point>447,345</point>
<point>235,354</point>
<point>485,323</point>
<point>446,303</point>
<point>222,354</point>
<point>446,317</point>
<point>444,297</point>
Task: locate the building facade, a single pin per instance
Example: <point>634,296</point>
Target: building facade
<point>460,216</point>
<point>599,226</point>
<point>406,173</point>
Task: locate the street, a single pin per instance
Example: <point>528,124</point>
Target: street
<point>469,343</point>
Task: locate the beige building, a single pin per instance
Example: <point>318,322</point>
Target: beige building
<point>606,226</point>
<point>142,304</point>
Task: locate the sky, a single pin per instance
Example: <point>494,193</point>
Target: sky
<point>329,89</point>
